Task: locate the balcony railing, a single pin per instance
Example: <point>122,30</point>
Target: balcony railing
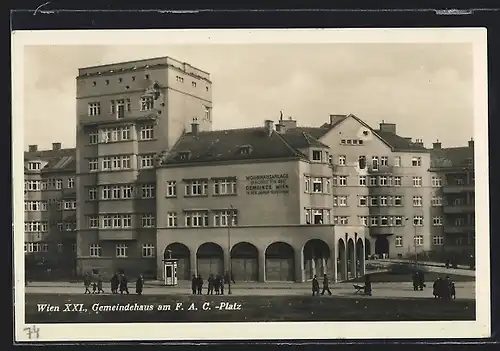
<point>383,230</point>
<point>457,189</point>
<point>456,209</point>
<point>117,235</point>
<point>380,169</point>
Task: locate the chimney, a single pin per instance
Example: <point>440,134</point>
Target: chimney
<point>407,139</point>
<point>269,126</point>
<point>436,145</point>
<point>471,142</point>
<point>419,142</point>
<point>387,127</point>
<point>195,127</point>
<point>33,148</point>
<point>280,127</point>
<point>56,146</point>
<point>289,123</point>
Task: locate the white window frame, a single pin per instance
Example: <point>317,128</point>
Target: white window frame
<point>121,250</point>
<point>93,222</point>
<point>315,183</point>
<point>438,240</point>
<point>398,241</point>
<point>147,103</point>
<point>171,188</point>
<point>342,160</point>
<point>94,108</point>
<point>225,186</point>
<point>418,240</point>
<point>342,181</point>
<point>417,201</point>
<point>147,161</point>
<point>148,191</point>
<point>148,220</point>
<point>95,250</point>
<point>147,132</point>
<point>362,180</point>
<point>172,220</point>
<point>417,182</point>
<point>397,181</point>
<point>437,221</point>
<point>437,182</point>
<point>148,250</point>
<point>418,221</point>
<point>416,161</point>
<point>93,164</point>
<point>362,199</point>
<point>382,201</point>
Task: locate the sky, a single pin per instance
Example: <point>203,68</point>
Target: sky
<point>426,89</point>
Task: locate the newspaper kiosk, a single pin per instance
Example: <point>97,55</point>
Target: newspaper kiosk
<point>170,271</point>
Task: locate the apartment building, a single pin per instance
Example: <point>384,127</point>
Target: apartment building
<point>127,113</point>
<point>453,199</point>
<point>49,211</point>
<point>256,201</point>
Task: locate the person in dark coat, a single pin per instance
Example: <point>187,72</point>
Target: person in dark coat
<point>368,285</point>
<point>211,281</point>
<point>87,282</point>
<point>217,284</point>
<point>447,288</point>
<point>194,284</point>
<point>414,278</point>
<point>315,286</point>
<point>421,281</point>
<point>453,292</point>
<point>139,285</point>
<point>99,285</point>
<point>199,286</point>
<point>115,282</point>
<point>436,286</point>
<point>221,286</point>
<point>123,284</point>
<point>325,285</point>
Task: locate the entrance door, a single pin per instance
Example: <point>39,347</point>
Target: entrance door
<point>245,269</point>
<point>207,266</point>
<point>279,269</point>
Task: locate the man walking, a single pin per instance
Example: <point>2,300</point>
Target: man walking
<point>315,286</point>
<point>86,282</point>
<point>325,285</point>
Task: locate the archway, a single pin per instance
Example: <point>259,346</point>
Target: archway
<point>360,257</point>
<point>316,258</point>
<point>182,254</point>
<point>368,248</point>
<point>280,262</point>
<point>351,259</point>
<point>210,260</point>
<point>245,262</point>
<point>382,246</point>
<point>341,261</point>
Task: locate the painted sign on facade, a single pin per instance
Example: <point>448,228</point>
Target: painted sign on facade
<point>267,184</point>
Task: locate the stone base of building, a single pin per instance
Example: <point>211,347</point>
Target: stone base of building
<point>106,267</point>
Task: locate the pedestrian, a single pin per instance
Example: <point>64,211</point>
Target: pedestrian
<point>325,285</point>
<point>221,286</point>
<point>453,292</point>
<point>414,278</point>
<point>86,283</point>
<point>194,284</point>
<point>94,286</point>
<point>199,285</point>
<point>315,286</point>
<point>435,287</point>
<point>139,284</point>
<point>368,285</point>
<point>421,280</point>
<point>217,284</point>
<point>115,282</point>
<point>99,285</point>
<point>447,288</point>
<point>210,288</point>
<point>123,285</point>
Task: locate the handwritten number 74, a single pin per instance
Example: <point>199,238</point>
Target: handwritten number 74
<point>33,332</point>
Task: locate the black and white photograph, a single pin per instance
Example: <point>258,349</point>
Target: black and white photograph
<point>230,184</point>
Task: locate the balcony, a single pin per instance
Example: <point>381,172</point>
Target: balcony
<point>380,169</point>
<point>453,229</point>
<point>457,189</point>
<point>458,209</point>
<point>383,230</point>
<point>117,235</point>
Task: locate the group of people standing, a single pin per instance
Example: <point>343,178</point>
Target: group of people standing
<point>444,289</point>
<point>214,283</point>
<point>119,283</point>
<point>326,286</point>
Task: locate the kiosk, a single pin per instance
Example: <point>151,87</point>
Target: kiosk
<point>170,271</point>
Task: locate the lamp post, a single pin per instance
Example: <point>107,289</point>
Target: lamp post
<point>231,215</point>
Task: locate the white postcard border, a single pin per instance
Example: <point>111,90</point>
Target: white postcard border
<point>259,331</point>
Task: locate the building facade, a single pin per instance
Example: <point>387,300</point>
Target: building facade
<point>126,114</point>
<point>255,201</point>
<point>49,211</point>
<point>452,171</point>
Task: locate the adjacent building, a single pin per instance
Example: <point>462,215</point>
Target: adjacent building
<point>126,114</point>
<point>453,203</point>
<point>49,211</point>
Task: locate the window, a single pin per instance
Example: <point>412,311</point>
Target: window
<point>106,192</point>
<point>343,180</point>
<point>35,206</point>
<point>106,163</point>
<point>171,219</point>
<point>373,201</point>
<point>437,221</point>
<point>416,161</point>
<point>196,188</point>
<point>363,220</point>
<point>225,186</point>
<point>397,181</point>
<point>382,181</point>
<point>437,240</point>
<point>342,201</point>
<point>120,108</point>
<point>125,133</point>
<point>93,222</point>
<point>418,240</point>
<point>375,163</point>
<point>417,182</point>
<point>317,155</point>
<point>148,220</point>
<point>147,132</point>
<point>196,219</point>
<point>179,79</point>
<point>317,216</point>
<point>418,221</point>
<point>398,241</point>
<point>373,181</point>
<point>383,201</point>
<point>95,250</point>
<point>437,201</point>
<point>384,221</point>
<point>171,188</point>
<point>94,108</point>
<point>362,180</point>
<point>317,185</point>
<point>373,221</point>
<point>307,184</point>
<point>384,161</point>
<point>60,248</point>
<point>127,191</point>
<point>225,218</point>
<point>148,191</point>
<point>342,160</point>
<point>398,221</point>
<point>459,222</point>
<point>362,162</point>
<point>437,182</point>
<point>121,250</point>
<point>59,184</point>
<point>363,201</point>
<point>147,103</point>
<point>397,161</point>
<point>148,250</point>
<point>93,165</point>
<point>208,116</point>
<point>34,166</point>
<point>32,185</point>
<point>71,183</point>
<point>70,205</point>
<point>417,201</point>
<point>147,161</point>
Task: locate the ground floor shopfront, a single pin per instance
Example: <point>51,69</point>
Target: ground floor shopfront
<point>285,253</point>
